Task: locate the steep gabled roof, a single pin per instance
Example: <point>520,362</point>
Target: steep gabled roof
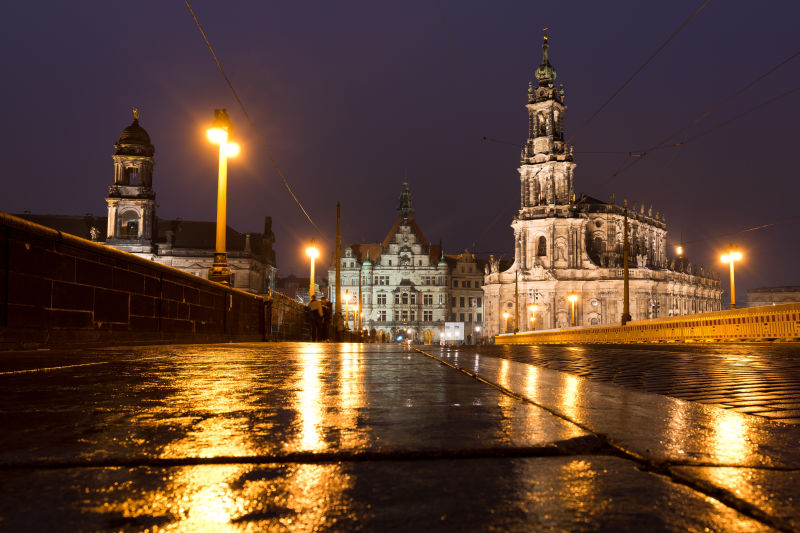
<point>414,227</point>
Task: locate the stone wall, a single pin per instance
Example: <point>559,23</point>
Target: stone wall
<point>57,290</point>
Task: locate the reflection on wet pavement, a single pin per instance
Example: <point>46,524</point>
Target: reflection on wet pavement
<point>579,493</point>
<point>758,379</point>
<point>647,425</point>
<point>273,437</point>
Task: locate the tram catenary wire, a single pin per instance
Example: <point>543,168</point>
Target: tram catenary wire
<point>249,119</point>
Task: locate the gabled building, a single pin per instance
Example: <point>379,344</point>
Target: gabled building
<point>568,251</point>
<point>404,282</point>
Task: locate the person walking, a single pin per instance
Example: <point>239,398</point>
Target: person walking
<point>326,319</point>
<point>315,308</point>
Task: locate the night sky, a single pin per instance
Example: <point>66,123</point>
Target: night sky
<point>353,97</point>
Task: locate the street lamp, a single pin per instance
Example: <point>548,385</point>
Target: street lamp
<point>346,309</point>
<point>218,134</point>
<point>533,308</point>
<point>573,298</point>
<point>732,256</point>
<point>477,334</point>
<point>505,324</point>
<point>313,253</point>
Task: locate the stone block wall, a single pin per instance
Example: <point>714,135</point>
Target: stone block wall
<point>57,290</point>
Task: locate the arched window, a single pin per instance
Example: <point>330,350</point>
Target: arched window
<point>598,245</point>
<point>129,225</point>
<point>131,176</point>
<point>405,298</point>
<point>541,247</point>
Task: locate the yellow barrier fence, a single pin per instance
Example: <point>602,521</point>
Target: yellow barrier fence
<point>768,323</point>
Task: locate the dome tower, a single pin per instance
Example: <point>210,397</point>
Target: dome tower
<point>131,200</point>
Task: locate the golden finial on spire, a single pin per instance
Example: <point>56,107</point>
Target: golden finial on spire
<point>135,114</point>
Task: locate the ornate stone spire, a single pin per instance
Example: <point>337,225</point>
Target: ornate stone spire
<point>546,74</point>
<point>404,209</point>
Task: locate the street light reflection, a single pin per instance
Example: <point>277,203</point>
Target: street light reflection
<point>569,397</point>
<point>309,399</point>
<point>731,443</point>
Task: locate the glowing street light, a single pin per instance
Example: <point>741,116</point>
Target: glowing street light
<point>732,256</point>
<point>533,308</point>
<point>219,133</point>
<point>679,250</point>
<point>313,253</point>
<point>505,324</point>
<point>346,309</point>
<point>573,298</point>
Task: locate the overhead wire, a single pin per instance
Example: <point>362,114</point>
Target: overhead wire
<point>664,143</point>
<point>249,119</point>
<point>745,230</point>
<point>638,70</point>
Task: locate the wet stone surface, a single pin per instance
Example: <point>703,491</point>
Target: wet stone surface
<point>300,436</point>
<point>759,379</point>
<point>246,400</point>
<point>544,494</point>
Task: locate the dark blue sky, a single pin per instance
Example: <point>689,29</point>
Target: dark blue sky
<point>351,97</point>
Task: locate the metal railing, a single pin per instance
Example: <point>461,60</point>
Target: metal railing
<point>774,322</point>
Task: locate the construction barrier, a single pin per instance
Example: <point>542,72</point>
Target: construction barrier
<point>768,323</point>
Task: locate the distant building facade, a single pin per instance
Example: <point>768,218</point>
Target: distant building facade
<point>466,294</point>
<point>773,295</point>
<point>132,225</point>
<point>404,282</point>
<point>567,245</point>
<point>297,288</point>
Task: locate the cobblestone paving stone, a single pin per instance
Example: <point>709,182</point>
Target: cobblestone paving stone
<point>757,379</point>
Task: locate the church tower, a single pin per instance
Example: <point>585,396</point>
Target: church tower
<point>547,168</point>
<point>404,210</point>
<point>131,200</point>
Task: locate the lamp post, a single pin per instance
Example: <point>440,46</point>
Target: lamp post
<point>573,298</point>
<point>505,322</point>
<point>313,253</point>
<point>219,133</point>
<point>477,334</point>
<point>731,257</point>
<point>533,308</point>
<point>346,309</point>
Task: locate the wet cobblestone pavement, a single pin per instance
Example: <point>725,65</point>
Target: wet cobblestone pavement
<point>758,379</point>
<point>326,437</point>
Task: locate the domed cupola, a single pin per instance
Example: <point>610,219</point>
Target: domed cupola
<point>134,140</point>
<point>546,74</point>
<point>131,199</point>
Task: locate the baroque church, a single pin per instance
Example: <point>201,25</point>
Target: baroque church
<point>132,225</point>
<point>568,255</point>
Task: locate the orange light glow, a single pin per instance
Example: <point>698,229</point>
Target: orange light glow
<point>217,135</point>
<point>731,256</point>
<point>232,149</point>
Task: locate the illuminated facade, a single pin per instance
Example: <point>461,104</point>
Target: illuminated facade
<point>567,245</point>
<point>132,225</point>
<point>466,294</point>
<point>404,281</point>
